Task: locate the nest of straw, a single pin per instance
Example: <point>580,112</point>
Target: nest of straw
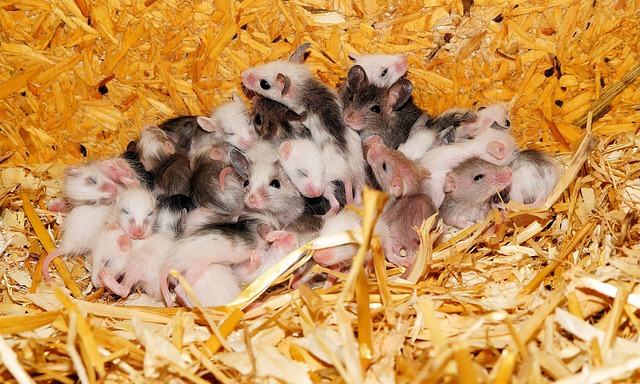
<point>548,294</point>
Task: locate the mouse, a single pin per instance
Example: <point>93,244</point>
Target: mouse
<point>84,184</point>
<point>173,176</point>
<point>408,206</point>
<point>154,147</point>
<point>469,190</point>
<point>373,110</point>
<point>172,212</point>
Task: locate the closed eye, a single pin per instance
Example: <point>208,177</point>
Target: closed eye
<point>125,211</point>
<point>91,180</point>
<point>478,177</point>
<point>302,173</point>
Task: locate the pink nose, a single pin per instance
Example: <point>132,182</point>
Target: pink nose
<point>254,201</point>
<point>504,176</point>
<point>312,191</point>
<point>352,118</point>
<point>138,232</point>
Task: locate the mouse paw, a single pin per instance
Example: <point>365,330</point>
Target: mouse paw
<point>58,205</point>
<point>124,243</point>
<point>282,238</point>
<point>401,261</point>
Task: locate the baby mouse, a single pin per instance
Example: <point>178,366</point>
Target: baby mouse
<point>469,190</point>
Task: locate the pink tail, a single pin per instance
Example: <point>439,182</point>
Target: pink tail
<point>47,260</point>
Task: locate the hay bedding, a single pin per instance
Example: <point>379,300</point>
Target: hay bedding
<point>549,294</point>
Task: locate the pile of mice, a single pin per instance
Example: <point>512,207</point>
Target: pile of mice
<point>221,199</point>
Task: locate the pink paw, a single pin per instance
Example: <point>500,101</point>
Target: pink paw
<point>58,205</point>
<point>124,243</point>
<point>282,239</point>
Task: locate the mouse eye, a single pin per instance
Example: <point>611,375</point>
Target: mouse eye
<point>376,109</point>
<point>478,177</point>
<point>91,180</point>
<point>264,84</point>
<point>275,183</point>
<point>150,214</point>
<point>384,167</point>
<point>245,184</point>
<point>302,173</point>
<point>350,97</point>
<point>125,211</point>
<point>257,120</point>
<point>507,123</point>
<point>480,109</point>
<point>384,73</point>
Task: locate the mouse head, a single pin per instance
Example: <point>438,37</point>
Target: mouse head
<point>88,183</point>
<point>279,80</point>
<point>494,116</point>
<point>154,147</point>
<point>273,120</point>
<point>396,174</point>
<point>231,122</point>
<point>301,160</point>
<point>382,70</point>
<point>476,181</point>
<point>135,209</point>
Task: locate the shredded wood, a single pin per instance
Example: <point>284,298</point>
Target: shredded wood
<point>544,295</point>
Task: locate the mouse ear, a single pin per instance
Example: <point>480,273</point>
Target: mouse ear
<point>298,55</point>
<point>207,124</point>
<point>449,184</point>
<point>216,153</point>
<point>72,170</point>
<point>285,150</point>
<point>283,83</point>
<point>399,93</point>
<point>240,163</point>
<point>497,150</point>
<point>356,79</point>
<point>292,116</point>
<point>264,230</point>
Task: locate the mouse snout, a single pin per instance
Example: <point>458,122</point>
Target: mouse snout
<point>311,190</point>
<point>248,78</point>
<point>503,176</point>
<point>256,200</point>
<point>352,119</point>
<point>402,65</point>
<point>138,230</point>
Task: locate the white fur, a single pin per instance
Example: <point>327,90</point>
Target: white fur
<point>531,183</point>
<point>382,70</point>
<point>107,254</point>
<point>88,182</point>
<point>154,147</point>
<point>303,163</point>
<point>217,286</point>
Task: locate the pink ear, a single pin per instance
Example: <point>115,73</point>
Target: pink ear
<point>124,243</point>
<point>169,148</point>
<point>497,150</point>
<point>264,230</point>
<point>397,188</point>
<point>216,154</point>
<point>283,83</point>
<point>206,123</point>
<point>285,150</point>
<point>71,170</point>
<point>449,184</point>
